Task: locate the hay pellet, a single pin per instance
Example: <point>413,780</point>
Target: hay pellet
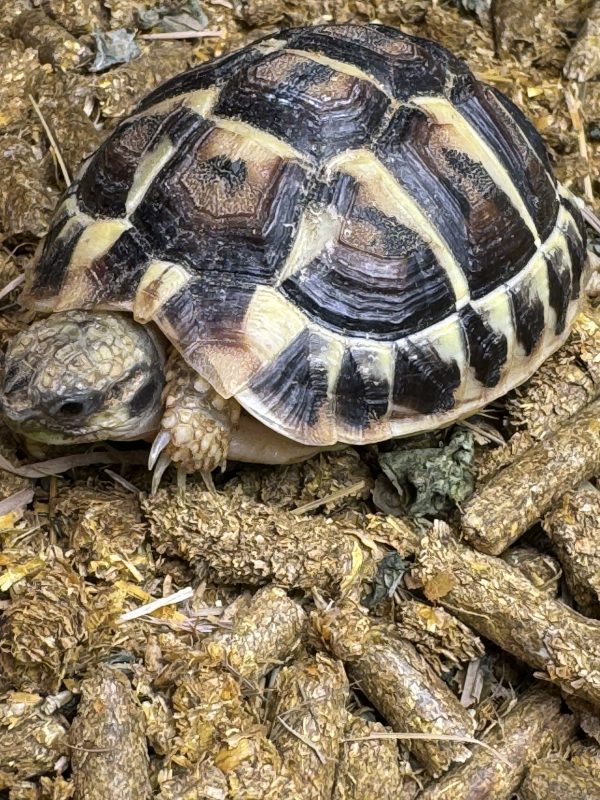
<point>242,541</point>
<point>400,684</point>
<point>31,741</point>
<point>556,778</point>
<point>265,634</point>
<point>109,752</point>
<point>500,603</point>
<point>308,719</point>
<point>369,767</point>
<point>573,530</point>
<point>505,507</point>
<point>520,738</point>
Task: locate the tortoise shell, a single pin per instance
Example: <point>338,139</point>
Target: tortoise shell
<point>338,225</point>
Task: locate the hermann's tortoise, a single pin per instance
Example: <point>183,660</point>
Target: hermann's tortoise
<point>336,231</point>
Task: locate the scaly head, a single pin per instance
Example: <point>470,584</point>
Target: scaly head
<point>79,376</point>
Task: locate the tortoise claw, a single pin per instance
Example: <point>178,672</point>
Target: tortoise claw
<point>161,440</point>
<point>159,470</point>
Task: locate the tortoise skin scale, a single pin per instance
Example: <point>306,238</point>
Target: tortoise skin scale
<point>338,225</point>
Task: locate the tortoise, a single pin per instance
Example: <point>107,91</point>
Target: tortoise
<point>336,235</point>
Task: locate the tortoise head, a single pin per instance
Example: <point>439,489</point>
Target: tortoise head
<point>79,376</point>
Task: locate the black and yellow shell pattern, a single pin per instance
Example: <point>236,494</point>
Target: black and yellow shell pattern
<point>338,225</point>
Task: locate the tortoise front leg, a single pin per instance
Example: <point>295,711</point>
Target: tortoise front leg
<point>200,430</point>
<point>196,426</point>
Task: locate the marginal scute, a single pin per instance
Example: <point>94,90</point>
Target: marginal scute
<point>528,315</point>
<point>559,286</point>
<point>295,386</point>
<point>46,280</point>
<point>488,348</point>
<point>79,288</point>
<point>161,281</point>
<point>423,382</point>
<point>362,388</point>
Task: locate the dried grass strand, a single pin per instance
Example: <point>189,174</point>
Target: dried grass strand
<point>22,498</point>
<point>52,140</point>
<point>11,285</point>
<point>184,35</point>
<point>56,466</point>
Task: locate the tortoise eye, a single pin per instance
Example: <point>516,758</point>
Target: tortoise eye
<point>143,398</point>
<point>70,409</point>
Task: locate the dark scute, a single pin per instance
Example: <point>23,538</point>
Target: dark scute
<point>485,233</point>
<point>365,47</point>
<point>339,193</point>
<point>528,316</point>
<point>406,65</point>
<point>106,181</point>
<point>578,256</point>
<point>559,287</point>
<point>403,150</point>
<point>312,122</point>
<point>294,386</point>
<point>250,245</point>
<point>212,73</point>
<point>49,273</point>
<point>501,130</point>
<point>487,348</point>
<point>359,397</point>
<point>183,124</point>
<point>118,272</point>
<point>434,71</point>
<point>529,130</point>
<point>357,294</point>
<point>499,242</point>
<point>209,310</point>
<point>423,381</point>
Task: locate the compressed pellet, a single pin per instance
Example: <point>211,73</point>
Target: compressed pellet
<point>543,570</point>
<point>54,44</point>
<point>400,684</point>
<point>26,199</point>
<point>309,716</point>
<point>31,741</point>
<point>437,634</point>
<point>501,604</point>
<point>556,778</point>
<point>265,634</point>
<point>573,530</point>
<point>244,542</point>
<point>583,62</point>
<point>203,782</point>
<point>586,755</point>
<point>109,752</point>
<point>207,705</point>
<point>43,632</point>
<point>519,739</point>
<point>252,767</point>
<point>369,766</point>
<point>510,502</point>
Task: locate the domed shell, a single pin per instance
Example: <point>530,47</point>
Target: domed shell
<point>338,225</point>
